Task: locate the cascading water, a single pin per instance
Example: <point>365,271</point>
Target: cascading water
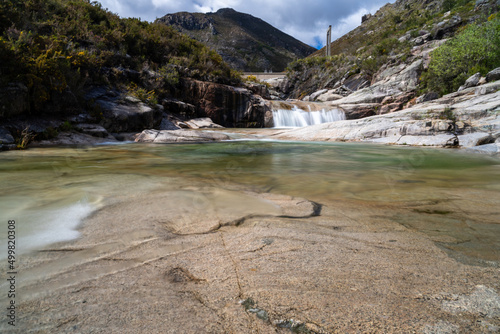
<point>296,117</point>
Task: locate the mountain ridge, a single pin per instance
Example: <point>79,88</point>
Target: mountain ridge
<point>246,42</point>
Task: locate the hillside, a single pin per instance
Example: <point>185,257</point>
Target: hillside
<point>53,50</point>
<point>245,42</point>
<point>395,36</point>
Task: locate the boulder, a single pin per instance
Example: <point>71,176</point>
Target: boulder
<point>355,82</point>
<point>493,75</point>
<point>359,110</point>
<point>129,116</point>
<point>446,28</point>
<point>366,17</point>
<point>13,100</point>
<point>124,114</point>
<point>167,124</point>
<point>176,136</point>
<point>475,139</point>
<point>314,95</point>
<point>259,89</point>
<point>427,97</point>
<point>493,149</point>
<point>177,107</point>
<point>94,130</point>
<point>6,139</point>
<point>329,96</point>
<point>473,81</point>
<point>202,123</point>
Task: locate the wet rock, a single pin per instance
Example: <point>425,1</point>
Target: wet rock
<point>175,136</point>
<point>123,114</point>
<point>94,130</point>
<point>74,138</point>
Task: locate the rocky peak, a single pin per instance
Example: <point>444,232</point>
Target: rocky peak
<point>245,42</point>
<point>188,21</point>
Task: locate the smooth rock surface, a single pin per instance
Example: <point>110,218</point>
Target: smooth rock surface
<point>172,136</point>
<point>202,123</point>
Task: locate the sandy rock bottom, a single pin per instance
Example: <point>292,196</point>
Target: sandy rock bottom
<point>210,260</point>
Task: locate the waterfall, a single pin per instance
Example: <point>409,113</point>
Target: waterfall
<point>296,117</point>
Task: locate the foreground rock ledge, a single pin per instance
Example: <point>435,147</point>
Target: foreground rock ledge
<point>199,259</point>
<point>176,136</point>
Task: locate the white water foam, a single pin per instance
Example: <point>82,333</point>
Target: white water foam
<point>297,118</point>
<point>37,228</point>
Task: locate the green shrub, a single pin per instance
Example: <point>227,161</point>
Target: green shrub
<point>475,49</point>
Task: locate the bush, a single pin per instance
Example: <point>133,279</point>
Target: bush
<point>475,49</point>
<point>53,46</point>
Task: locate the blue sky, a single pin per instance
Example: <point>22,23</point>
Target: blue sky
<point>307,21</point>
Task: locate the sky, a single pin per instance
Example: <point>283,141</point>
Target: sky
<point>305,20</point>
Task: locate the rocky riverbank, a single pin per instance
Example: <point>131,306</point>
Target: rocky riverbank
<point>469,118</point>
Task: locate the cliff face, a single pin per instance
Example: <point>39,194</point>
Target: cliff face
<point>245,42</point>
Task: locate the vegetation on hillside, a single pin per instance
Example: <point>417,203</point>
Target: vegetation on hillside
<point>58,46</point>
<point>388,38</point>
<point>475,49</point>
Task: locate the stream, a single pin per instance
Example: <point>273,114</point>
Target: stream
<point>450,196</point>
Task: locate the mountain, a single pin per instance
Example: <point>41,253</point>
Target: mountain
<point>245,42</point>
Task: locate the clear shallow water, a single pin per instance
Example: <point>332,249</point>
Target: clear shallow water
<point>452,197</point>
